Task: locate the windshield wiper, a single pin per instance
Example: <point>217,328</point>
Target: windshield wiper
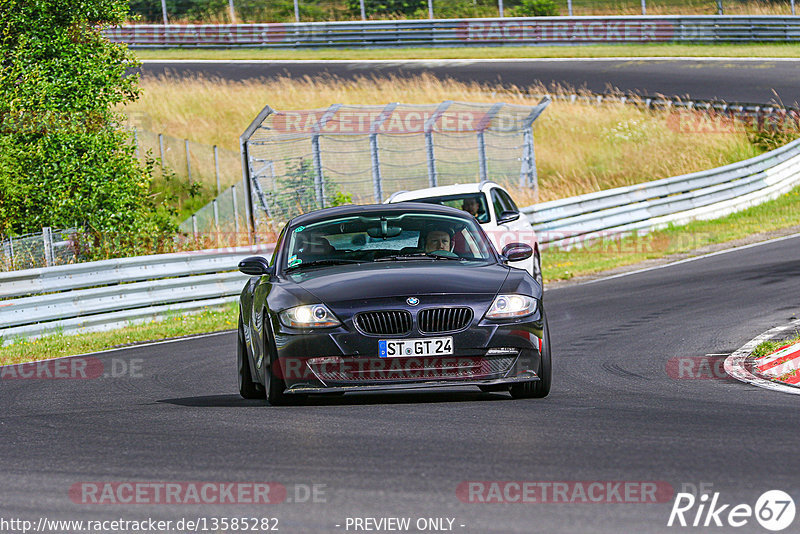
<point>417,256</point>
<point>329,261</point>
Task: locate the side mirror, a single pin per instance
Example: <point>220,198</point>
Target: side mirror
<point>255,266</point>
<point>508,216</point>
<point>517,251</point>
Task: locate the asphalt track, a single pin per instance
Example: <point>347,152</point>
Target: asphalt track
<point>614,414</point>
<point>732,80</point>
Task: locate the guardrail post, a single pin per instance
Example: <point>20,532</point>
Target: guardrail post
<point>188,164</point>
<point>486,121</point>
<point>373,146</point>
<point>194,227</point>
<point>319,177</point>
<point>216,166</point>
<point>47,244</point>
<point>428,129</point>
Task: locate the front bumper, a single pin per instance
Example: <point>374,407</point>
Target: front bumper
<point>342,360</point>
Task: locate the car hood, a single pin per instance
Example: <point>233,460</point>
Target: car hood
<point>377,280</point>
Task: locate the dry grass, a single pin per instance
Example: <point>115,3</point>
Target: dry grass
<point>579,147</point>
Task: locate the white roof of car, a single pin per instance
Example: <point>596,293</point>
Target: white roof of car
<point>440,191</point>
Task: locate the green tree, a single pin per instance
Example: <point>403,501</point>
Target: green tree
<point>64,158</point>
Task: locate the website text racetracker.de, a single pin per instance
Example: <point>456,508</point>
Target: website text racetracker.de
<point>149,525</point>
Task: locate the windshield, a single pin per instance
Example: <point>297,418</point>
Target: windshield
<point>386,237</point>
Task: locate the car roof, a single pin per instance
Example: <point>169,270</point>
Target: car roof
<point>399,207</point>
<point>440,191</point>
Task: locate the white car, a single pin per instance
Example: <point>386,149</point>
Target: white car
<point>496,211</point>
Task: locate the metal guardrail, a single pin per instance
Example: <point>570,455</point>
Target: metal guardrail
<point>680,199</point>
<point>113,293</point>
<point>466,32</point>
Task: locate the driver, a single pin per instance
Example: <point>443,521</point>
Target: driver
<point>438,237</point>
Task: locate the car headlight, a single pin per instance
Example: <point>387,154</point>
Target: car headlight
<point>310,316</point>
<point>511,307</point>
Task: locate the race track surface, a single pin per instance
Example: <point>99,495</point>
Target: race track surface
<point>734,80</point>
<point>614,414</point>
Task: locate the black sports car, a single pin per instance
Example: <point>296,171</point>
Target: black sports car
<point>406,295</point>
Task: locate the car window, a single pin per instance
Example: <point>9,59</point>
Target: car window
<point>508,201</point>
<point>474,203</point>
<point>379,237</point>
<point>499,203</point>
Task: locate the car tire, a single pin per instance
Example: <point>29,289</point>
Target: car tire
<point>540,388</point>
<point>275,386</point>
<point>247,388</point>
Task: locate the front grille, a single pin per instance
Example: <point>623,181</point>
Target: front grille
<point>440,320</point>
<point>411,369</point>
<point>384,323</point>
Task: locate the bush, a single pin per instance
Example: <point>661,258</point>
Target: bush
<point>536,8</point>
<point>65,160</point>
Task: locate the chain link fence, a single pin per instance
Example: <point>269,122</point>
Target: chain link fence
<point>299,161</point>
<point>43,249</point>
<point>249,11</point>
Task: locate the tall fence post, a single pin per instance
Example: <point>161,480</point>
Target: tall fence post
<point>644,7</point>
<point>188,163</point>
<point>363,10</point>
<point>569,7</point>
<point>720,9</point>
<point>373,146</point>
<point>428,129</point>
<point>194,227</point>
<point>47,243</point>
<point>11,251</point>
<point>319,177</point>
<point>216,220</point>
<point>793,7</point>
<point>164,11</point>
<point>235,213</point>
<point>528,176</point>
<point>430,9</point>
<point>500,7</point>
<point>216,166</point>
<point>233,14</point>
<point>161,151</point>
<point>296,11</point>
<point>486,121</point>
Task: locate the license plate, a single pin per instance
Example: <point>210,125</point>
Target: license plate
<point>432,346</point>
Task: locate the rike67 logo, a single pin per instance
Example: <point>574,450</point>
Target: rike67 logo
<point>774,510</point>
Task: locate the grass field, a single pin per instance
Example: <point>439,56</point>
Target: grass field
<point>777,50</point>
<point>580,147</point>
